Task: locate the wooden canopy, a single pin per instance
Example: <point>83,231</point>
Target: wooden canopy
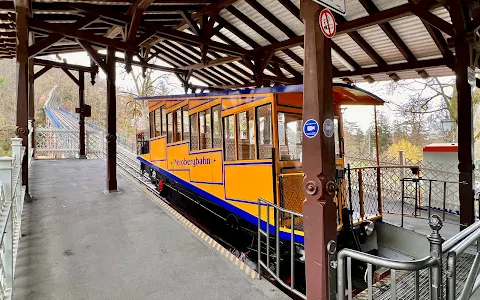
<point>240,43</point>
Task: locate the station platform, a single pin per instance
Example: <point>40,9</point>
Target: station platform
<point>80,243</point>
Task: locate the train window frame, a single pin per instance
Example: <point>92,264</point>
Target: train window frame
<point>163,115</point>
<point>217,112</point>
<point>185,126</point>
<point>158,127</point>
<point>257,134</point>
<point>151,117</point>
<point>224,139</point>
<point>278,135</point>
<point>237,132</point>
<point>170,134</point>
<point>207,118</point>
<point>177,132</point>
<point>194,115</point>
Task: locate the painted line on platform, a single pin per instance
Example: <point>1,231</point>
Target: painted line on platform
<point>194,230</point>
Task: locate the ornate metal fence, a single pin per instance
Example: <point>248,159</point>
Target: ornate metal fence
<point>12,194</point>
<point>64,143</point>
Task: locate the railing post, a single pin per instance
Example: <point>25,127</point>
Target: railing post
<point>401,159</point>
<point>17,150</point>
<point>6,174</point>
<point>360,194</point>
<point>435,271</point>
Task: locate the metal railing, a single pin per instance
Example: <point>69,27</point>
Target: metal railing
<point>422,278</point>
<point>268,209</point>
<point>374,190</point>
<point>441,188</point>
<point>12,194</point>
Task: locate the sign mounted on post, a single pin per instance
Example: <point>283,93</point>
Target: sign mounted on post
<point>310,128</point>
<point>338,6</point>
<point>327,23</point>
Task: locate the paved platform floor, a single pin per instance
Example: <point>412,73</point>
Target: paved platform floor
<point>81,243</point>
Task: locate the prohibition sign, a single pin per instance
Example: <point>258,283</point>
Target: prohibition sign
<point>327,23</point>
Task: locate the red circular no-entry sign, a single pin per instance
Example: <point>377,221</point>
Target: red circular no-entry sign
<point>327,23</point>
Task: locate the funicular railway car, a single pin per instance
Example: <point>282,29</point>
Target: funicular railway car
<point>224,150</point>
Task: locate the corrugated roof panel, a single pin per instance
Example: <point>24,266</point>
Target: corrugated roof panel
<point>217,39</point>
<point>260,20</point>
<point>242,66</point>
<point>234,38</point>
<point>353,50</point>
<point>440,72</point>
<point>387,4</point>
<point>443,13</point>
<point>284,15</point>
<point>381,43</point>
<point>243,28</point>
<point>298,51</point>
<point>289,61</point>
<point>355,10</point>
<point>412,31</point>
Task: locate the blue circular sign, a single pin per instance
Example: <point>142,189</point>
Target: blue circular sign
<point>310,128</point>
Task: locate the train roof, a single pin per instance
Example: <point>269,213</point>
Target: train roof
<point>343,94</point>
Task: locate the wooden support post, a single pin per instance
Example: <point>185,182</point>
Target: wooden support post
<point>465,134</point>
<point>111,122</point>
<point>22,10</point>
<point>460,20</point>
<point>81,118</point>
<point>319,208</point>
<point>31,90</point>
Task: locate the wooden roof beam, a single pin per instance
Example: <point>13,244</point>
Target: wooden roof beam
<point>420,64</point>
<point>72,32</point>
<point>61,65</point>
<point>165,32</point>
<point>212,63</point>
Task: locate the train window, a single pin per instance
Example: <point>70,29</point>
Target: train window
<point>229,137</point>
<point>157,122</point>
<point>164,119</point>
<point>178,125</point>
<point>194,132</point>
<point>205,121</point>
<point>336,136</point>
<point>217,127</point>
<point>289,136</point>
<point>264,131</point>
<point>186,127</point>
<point>169,128</point>
<point>246,135</point>
<point>152,124</point>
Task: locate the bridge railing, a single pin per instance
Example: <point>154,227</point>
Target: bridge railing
<point>12,195</point>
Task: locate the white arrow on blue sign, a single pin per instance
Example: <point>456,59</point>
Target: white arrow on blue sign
<point>310,128</point>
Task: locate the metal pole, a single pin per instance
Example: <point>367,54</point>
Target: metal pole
<point>319,208</point>
<point>403,199</point>
<point>81,118</point>
<point>435,271</point>
<point>444,199</point>
<point>429,198</point>
<point>259,239</point>
<point>111,122</point>
<point>349,173</point>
